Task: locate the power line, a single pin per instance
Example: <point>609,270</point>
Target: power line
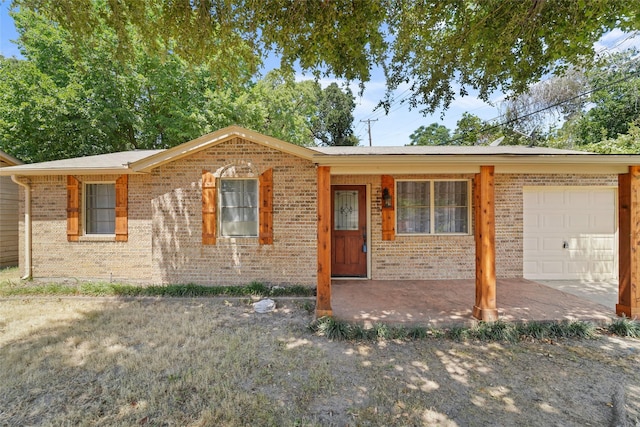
<point>635,74</point>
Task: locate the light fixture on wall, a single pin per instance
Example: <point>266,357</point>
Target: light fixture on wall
<point>386,198</point>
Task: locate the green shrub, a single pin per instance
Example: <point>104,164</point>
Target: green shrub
<point>625,327</point>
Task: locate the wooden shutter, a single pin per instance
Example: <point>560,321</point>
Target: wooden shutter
<point>388,214</point>
<point>209,204</point>
<point>73,208</point>
<point>266,208</point>
<point>122,202</point>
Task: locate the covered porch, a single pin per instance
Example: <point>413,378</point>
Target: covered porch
<point>442,303</point>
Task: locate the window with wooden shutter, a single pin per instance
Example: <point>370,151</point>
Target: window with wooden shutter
<point>122,202</point>
<point>388,213</point>
<point>73,208</point>
<point>266,208</point>
<point>209,204</point>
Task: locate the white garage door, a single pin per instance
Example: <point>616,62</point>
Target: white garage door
<point>570,233</point>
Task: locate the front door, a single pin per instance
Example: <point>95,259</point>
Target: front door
<point>349,231</point>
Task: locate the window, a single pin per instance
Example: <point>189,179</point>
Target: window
<point>239,207</point>
<point>100,208</point>
<point>432,207</point>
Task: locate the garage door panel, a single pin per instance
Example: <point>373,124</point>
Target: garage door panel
<point>603,198</point>
<point>551,244</point>
<point>578,222</point>
<point>552,198</point>
<point>584,217</point>
<point>532,244</point>
<point>602,222</point>
<point>551,267</point>
<point>552,220</point>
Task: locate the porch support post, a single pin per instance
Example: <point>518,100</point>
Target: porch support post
<point>323,290</point>
<point>484,209</point>
<point>629,243</point>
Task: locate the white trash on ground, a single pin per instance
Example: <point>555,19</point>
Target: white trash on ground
<point>264,306</point>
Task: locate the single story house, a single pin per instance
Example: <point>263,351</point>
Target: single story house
<point>235,206</point>
<point>8,214</point>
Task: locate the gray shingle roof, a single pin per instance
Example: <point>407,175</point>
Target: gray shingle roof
<point>516,150</point>
<point>102,162</point>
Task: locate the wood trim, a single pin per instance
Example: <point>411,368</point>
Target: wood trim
<point>323,290</point>
<point>122,203</point>
<point>73,209</point>
<point>209,211</point>
<point>484,207</point>
<point>266,208</point>
<point>629,243</point>
<point>388,214</point>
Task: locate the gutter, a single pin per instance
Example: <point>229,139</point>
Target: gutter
<point>27,227</point>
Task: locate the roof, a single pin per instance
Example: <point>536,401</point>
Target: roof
<point>99,164</point>
<point>351,160</point>
<point>9,159</point>
<point>215,138</point>
<point>423,150</point>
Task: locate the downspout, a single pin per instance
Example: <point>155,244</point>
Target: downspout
<point>27,226</point>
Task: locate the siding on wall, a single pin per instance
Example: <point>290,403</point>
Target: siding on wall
<point>89,258</point>
<point>180,257</point>
<point>453,257</point>
<point>165,226</point>
<point>8,221</point>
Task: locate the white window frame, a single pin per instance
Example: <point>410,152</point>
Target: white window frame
<point>432,210</point>
<point>85,207</point>
<point>219,202</point>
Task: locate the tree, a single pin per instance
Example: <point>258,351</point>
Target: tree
<point>333,124</point>
<point>60,103</point>
<point>472,130</point>
<point>441,48</point>
<point>434,134</point>
<point>298,112</point>
<point>615,102</point>
<point>547,103</point>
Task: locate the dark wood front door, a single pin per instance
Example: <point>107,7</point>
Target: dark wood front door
<point>348,231</point>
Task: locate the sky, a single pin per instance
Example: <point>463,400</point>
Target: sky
<point>390,129</point>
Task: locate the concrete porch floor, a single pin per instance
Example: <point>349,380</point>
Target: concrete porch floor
<point>441,303</point>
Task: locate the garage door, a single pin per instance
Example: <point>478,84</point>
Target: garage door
<point>570,233</point>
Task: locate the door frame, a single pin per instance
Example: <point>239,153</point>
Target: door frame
<point>367,216</point>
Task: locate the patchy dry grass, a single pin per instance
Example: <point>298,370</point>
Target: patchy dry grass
<point>207,361</point>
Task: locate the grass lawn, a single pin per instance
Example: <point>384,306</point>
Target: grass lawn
<point>214,361</point>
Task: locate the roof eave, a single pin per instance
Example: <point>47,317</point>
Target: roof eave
<point>67,171</point>
<point>479,159</point>
<point>218,137</point>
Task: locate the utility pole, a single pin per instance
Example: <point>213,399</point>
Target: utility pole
<point>369,124</point>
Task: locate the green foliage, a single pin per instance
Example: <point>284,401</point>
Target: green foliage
<point>601,112</point>
<point>71,99</point>
<point>625,327</point>
<point>483,331</point>
<point>628,143</point>
<point>333,125</point>
<point>255,289</point>
<point>298,112</point>
<point>434,134</point>
<point>472,130</point>
<point>439,48</point>
<point>616,103</point>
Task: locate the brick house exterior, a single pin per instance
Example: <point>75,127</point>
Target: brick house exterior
<point>169,212</point>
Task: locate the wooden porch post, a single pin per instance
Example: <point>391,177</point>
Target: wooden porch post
<point>628,243</point>
<point>485,307</point>
<point>323,291</point>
